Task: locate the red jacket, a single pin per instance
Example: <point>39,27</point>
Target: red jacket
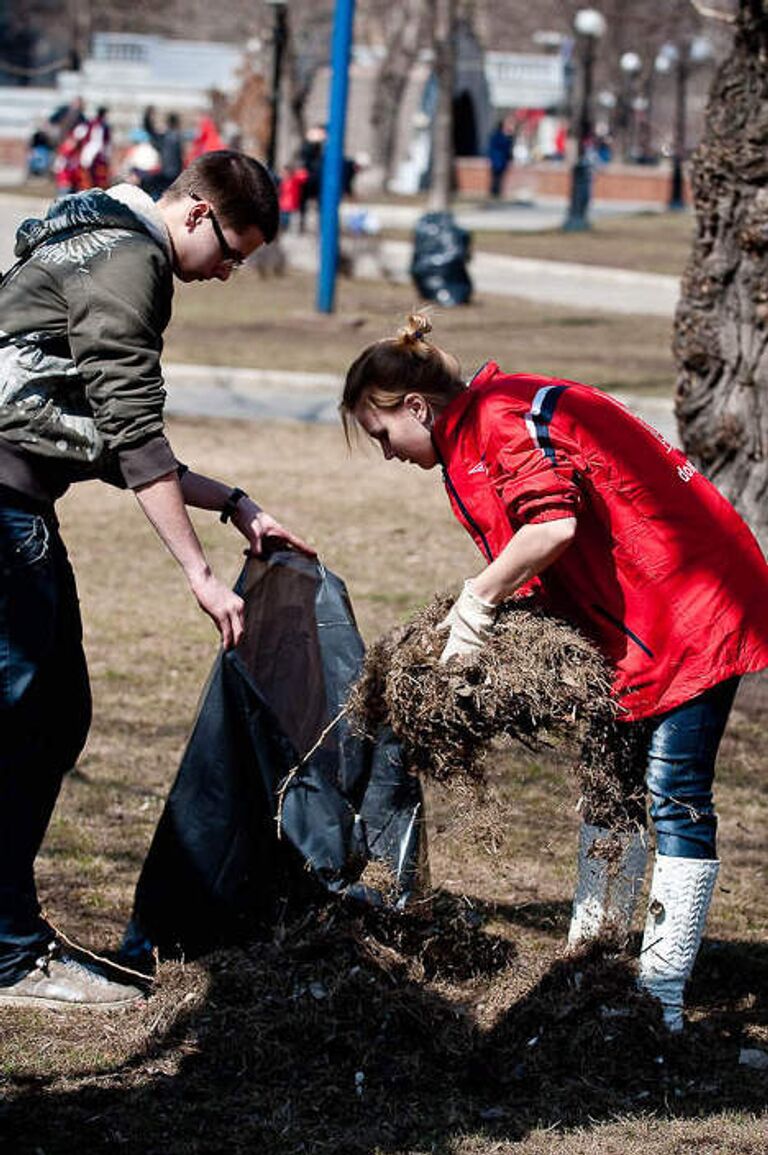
<point>663,574</point>
<point>289,192</point>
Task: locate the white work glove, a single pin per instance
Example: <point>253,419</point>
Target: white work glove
<point>469,620</point>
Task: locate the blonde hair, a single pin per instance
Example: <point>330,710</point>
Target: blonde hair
<point>389,369</point>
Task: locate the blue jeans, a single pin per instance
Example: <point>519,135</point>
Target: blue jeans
<point>45,711</point>
<point>680,770</point>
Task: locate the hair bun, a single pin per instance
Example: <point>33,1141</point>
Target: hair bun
<point>416,328</point>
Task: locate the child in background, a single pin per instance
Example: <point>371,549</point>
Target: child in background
<point>292,181</point>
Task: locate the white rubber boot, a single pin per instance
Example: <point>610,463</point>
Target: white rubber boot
<point>681,891</point>
<point>611,873</point>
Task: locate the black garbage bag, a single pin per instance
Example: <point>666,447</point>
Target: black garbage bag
<point>441,249</point>
<point>276,801</point>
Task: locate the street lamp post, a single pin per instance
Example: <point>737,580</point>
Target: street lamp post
<point>590,26</point>
<point>662,65</point>
<point>279,38</point>
<point>684,57</point>
<point>682,71</point>
<point>630,65</point>
<point>645,107</point>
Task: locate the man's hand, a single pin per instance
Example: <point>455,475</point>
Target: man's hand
<point>469,621</point>
<point>163,503</point>
<point>256,525</point>
<point>221,604</point>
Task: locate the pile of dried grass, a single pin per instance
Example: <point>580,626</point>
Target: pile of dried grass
<point>611,774</point>
<point>536,679</point>
<point>379,1032</point>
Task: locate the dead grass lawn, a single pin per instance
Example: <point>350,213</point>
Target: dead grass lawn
<point>271,324</point>
<point>647,242</point>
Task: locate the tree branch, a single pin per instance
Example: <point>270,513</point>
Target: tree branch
<point>713,13</point>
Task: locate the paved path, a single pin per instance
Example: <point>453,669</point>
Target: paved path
<point>589,288</point>
<point>523,214</point>
<point>210,391</point>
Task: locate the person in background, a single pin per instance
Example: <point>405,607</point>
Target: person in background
<point>67,170</point>
<point>571,498</point>
<point>141,162</point>
<point>292,180</point>
<point>311,159</point>
<point>171,147</point>
<point>500,145</point>
<point>83,312</point>
<point>207,138</point>
<point>72,128</point>
<point>149,124</point>
<point>561,142</point>
<point>66,117</point>
<point>96,151</point>
<point>39,153</point>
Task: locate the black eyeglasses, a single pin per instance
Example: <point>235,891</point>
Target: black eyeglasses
<point>228,254</point>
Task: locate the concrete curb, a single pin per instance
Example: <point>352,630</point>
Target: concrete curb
<point>251,394</point>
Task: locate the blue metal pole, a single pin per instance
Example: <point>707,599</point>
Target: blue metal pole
<point>333,158</point>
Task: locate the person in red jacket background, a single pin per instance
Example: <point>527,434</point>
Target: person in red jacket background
<point>569,495</point>
<point>207,138</point>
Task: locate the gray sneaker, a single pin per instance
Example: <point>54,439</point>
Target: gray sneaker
<point>58,980</point>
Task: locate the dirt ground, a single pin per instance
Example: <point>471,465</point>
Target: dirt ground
<point>463,1032</point>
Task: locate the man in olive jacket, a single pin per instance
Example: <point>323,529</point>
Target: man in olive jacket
<point>82,314</point>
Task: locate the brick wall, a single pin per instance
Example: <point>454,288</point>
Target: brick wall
<point>13,153</point>
<point>553,179</point>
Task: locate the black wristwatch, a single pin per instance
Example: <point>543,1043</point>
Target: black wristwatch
<point>231,504</point>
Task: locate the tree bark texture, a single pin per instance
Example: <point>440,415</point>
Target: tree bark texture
<point>721,327</point>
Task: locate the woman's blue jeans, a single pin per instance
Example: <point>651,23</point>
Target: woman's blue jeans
<point>45,711</point>
<point>680,771</point>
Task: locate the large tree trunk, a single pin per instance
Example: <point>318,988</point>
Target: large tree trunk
<point>721,327</point>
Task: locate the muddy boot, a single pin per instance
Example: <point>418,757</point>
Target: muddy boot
<point>611,872</point>
<point>57,980</point>
<point>681,891</point>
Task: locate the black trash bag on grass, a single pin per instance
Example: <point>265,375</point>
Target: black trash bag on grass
<point>268,754</point>
<point>441,250</point>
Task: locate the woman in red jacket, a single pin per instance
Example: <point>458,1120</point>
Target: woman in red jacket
<point>566,492</point>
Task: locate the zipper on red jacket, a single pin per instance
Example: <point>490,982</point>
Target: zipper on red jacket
<point>619,624</point>
<point>465,512</point>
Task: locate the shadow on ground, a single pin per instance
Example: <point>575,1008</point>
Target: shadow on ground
<point>358,1032</point>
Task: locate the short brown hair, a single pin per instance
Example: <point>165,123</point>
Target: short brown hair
<point>240,188</point>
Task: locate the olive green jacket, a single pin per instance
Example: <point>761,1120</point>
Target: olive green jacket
<point>82,315</point>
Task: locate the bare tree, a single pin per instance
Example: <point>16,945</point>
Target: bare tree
<point>721,327</point>
<point>402,35</point>
<point>249,108</point>
<point>307,50</point>
<point>442,15</point>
